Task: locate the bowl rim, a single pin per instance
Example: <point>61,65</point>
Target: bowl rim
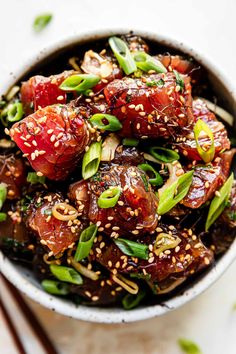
<point>114,315</point>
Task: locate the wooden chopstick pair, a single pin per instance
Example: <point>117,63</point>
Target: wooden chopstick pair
<point>31,319</point>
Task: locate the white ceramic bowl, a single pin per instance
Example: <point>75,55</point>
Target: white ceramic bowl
<point>24,279</point>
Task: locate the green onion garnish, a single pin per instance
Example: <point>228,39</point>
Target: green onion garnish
<point>109,197</point>
<point>131,248</point>
<point>55,287</point>
<point>207,153</point>
<point>189,347</point>
<point>15,112</point>
<point>66,274</point>
<point>173,194</point>
<point>146,62</point>
<point>164,242</point>
<point>234,306</point>
<point>179,80</point>
<point>131,301</point>
<point>91,160</point>
<point>85,243</point>
<point>33,178</point>
<point>123,55</point>
<point>130,142</point>
<point>3,194</point>
<point>112,123</point>
<point>219,203</point>
<point>80,83</point>
<point>42,21</point>
<point>3,217</point>
<point>164,155</point>
<point>157,180</point>
<point>155,83</point>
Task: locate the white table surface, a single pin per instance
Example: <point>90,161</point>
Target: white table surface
<point>209,27</point>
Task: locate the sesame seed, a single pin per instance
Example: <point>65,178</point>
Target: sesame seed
<point>110,218</point>
<point>60,98</point>
<point>206,261</point>
<point>120,202</point>
<point>98,250</point>
<point>187,247</point>
<point>27,144</point>
<point>53,138</point>
<point>142,114</point>
<point>95,298</point>
<point>43,242</point>
<point>177,248</point>
<point>217,194</point>
<point>117,265</point>
<point>138,126</point>
<point>32,156</point>
<point>100,229</point>
<point>198,245</point>
<point>50,131</point>
<point>207,185</point>
<point>57,143</point>
<point>107,226</point>
<point>88,293</point>
<point>151,260</point>
<point>109,264</point>
<point>135,232</point>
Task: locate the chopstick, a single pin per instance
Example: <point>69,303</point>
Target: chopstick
<point>12,329</point>
<point>31,320</point>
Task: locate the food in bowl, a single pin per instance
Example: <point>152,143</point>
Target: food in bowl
<point>116,183</point>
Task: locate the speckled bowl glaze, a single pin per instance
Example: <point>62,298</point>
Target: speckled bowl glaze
<point>24,279</point>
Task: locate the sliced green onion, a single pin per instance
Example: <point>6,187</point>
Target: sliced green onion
<point>130,142</point>
<point>113,124</point>
<point>164,242</point>
<point>3,217</point>
<point>66,274</point>
<point>131,301</point>
<point>145,182</point>
<point>146,62</point>
<point>131,248</point>
<point>234,306</point>
<point>179,79</point>
<point>85,243</point>
<point>155,83</point>
<point>55,287</point>
<point>109,197</point>
<point>123,55</point>
<point>157,180</point>
<point>207,154</point>
<point>173,194</point>
<point>33,178</point>
<point>42,21</point>
<point>189,347</point>
<point>3,194</point>
<point>15,112</point>
<point>91,160</point>
<point>219,203</point>
<point>164,155</point>
<point>80,83</point>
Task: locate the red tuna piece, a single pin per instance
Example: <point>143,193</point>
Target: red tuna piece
<point>53,139</point>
